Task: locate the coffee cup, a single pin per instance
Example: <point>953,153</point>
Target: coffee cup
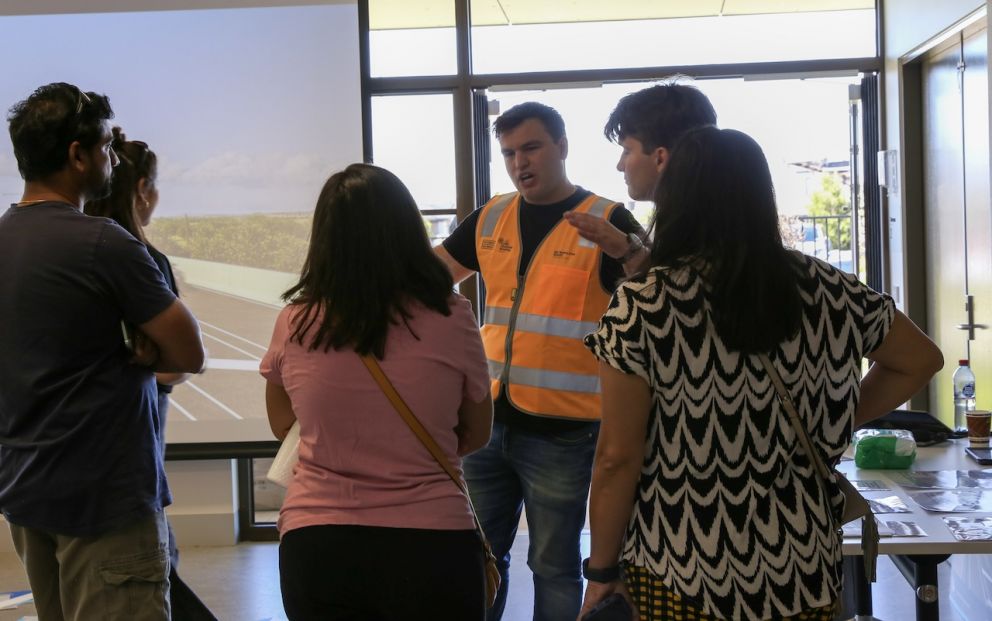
<point>978,427</point>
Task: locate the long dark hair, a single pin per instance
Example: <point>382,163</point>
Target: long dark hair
<point>715,207</point>
<point>137,162</point>
<point>369,259</point>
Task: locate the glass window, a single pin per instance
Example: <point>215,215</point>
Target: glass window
<point>413,136</point>
<point>553,36</point>
<point>412,37</point>
<point>802,126</point>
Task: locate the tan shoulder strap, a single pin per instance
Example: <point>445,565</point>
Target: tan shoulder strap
<point>418,429</point>
<point>855,504</point>
<point>790,407</point>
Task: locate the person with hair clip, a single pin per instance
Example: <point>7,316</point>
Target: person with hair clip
<point>372,526</point>
<point>703,504</point>
<point>131,202</point>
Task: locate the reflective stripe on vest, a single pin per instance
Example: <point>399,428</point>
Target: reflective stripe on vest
<point>492,216</point>
<point>552,326</point>
<point>543,378</point>
<point>598,209</point>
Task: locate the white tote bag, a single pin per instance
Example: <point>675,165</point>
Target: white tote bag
<point>281,471</point>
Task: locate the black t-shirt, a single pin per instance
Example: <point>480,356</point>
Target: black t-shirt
<point>536,221</point>
<point>79,435</point>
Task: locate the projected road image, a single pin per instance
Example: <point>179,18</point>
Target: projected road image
<point>227,402</point>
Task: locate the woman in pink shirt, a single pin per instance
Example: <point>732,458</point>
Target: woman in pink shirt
<point>372,527</point>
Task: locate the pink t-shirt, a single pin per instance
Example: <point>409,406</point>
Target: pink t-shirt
<point>359,462</point>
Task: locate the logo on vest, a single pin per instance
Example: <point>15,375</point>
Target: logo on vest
<point>488,243</point>
<point>560,254</point>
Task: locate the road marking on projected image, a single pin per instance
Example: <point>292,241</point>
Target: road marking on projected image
<point>234,330</point>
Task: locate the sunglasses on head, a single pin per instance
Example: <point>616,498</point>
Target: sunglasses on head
<point>81,98</point>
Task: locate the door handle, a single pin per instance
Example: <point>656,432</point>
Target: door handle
<point>971,326</point>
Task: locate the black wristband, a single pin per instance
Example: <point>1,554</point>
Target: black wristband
<point>604,574</point>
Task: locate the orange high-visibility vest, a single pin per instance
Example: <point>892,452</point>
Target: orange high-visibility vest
<point>534,324</point>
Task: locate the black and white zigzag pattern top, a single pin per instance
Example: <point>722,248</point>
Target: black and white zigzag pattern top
<point>728,513</point>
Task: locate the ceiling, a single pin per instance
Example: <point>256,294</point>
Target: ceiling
<point>402,14</point>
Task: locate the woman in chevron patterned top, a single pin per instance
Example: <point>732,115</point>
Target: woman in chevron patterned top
<point>700,492</point>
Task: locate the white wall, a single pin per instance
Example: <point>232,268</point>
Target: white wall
<point>205,501</point>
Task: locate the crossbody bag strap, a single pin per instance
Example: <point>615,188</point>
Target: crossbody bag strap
<point>869,529</point>
<point>797,424</point>
<point>418,430</point>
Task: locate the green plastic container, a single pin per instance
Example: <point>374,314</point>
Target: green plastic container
<point>884,449</point>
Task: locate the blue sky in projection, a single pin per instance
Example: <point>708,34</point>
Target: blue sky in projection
<point>249,110</point>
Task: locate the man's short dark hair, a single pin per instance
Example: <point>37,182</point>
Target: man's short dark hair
<point>659,115</point>
<point>44,125</point>
<point>519,113</point>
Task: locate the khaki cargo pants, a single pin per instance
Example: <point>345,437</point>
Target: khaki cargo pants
<point>123,574</point>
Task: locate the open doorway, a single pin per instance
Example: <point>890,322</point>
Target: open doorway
<point>803,125</point>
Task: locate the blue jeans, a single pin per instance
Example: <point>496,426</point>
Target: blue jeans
<point>548,476</point>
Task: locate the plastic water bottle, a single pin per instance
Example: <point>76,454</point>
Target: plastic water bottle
<point>964,393</point>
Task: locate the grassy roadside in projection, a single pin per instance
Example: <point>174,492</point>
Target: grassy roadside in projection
<point>275,242</point>
<point>272,242</point>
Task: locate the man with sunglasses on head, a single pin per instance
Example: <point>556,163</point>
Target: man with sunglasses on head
<point>82,480</point>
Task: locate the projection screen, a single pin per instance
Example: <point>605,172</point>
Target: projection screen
<point>250,106</point>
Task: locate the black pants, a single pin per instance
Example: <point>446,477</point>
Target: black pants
<point>186,606</point>
<point>368,573</point>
